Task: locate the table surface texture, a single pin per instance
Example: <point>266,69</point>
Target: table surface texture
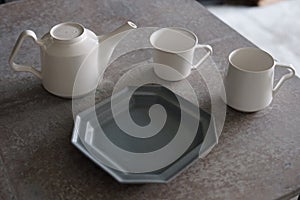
<point>257,157</point>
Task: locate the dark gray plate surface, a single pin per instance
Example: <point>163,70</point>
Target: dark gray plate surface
<point>140,102</point>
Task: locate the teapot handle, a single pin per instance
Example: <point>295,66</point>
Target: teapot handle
<point>19,67</point>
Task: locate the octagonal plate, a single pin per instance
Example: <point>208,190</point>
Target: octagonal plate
<point>86,131</point>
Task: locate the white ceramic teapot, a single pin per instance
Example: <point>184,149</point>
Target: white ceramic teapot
<point>71,55</point>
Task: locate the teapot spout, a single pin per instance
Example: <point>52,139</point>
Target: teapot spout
<point>107,44</point>
<point>117,33</point>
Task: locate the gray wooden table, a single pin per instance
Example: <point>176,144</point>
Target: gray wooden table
<point>257,156</point>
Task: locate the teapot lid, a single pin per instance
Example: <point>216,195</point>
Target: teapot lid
<point>68,32</point>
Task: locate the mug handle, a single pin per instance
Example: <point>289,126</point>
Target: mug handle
<point>209,52</point>
<point>19,67</point>
<point>284,77</point>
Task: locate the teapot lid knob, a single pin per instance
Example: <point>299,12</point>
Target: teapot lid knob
<point>67,32</point>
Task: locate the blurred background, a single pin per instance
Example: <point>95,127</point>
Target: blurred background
<point>272,25</point>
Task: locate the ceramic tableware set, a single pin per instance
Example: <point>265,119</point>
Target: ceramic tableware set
<point>73,55</point>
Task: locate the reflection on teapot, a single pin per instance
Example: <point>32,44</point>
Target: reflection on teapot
<point>69,53</point>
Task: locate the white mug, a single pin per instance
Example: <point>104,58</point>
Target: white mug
<point>250,77</point>
<point>174,52</point>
